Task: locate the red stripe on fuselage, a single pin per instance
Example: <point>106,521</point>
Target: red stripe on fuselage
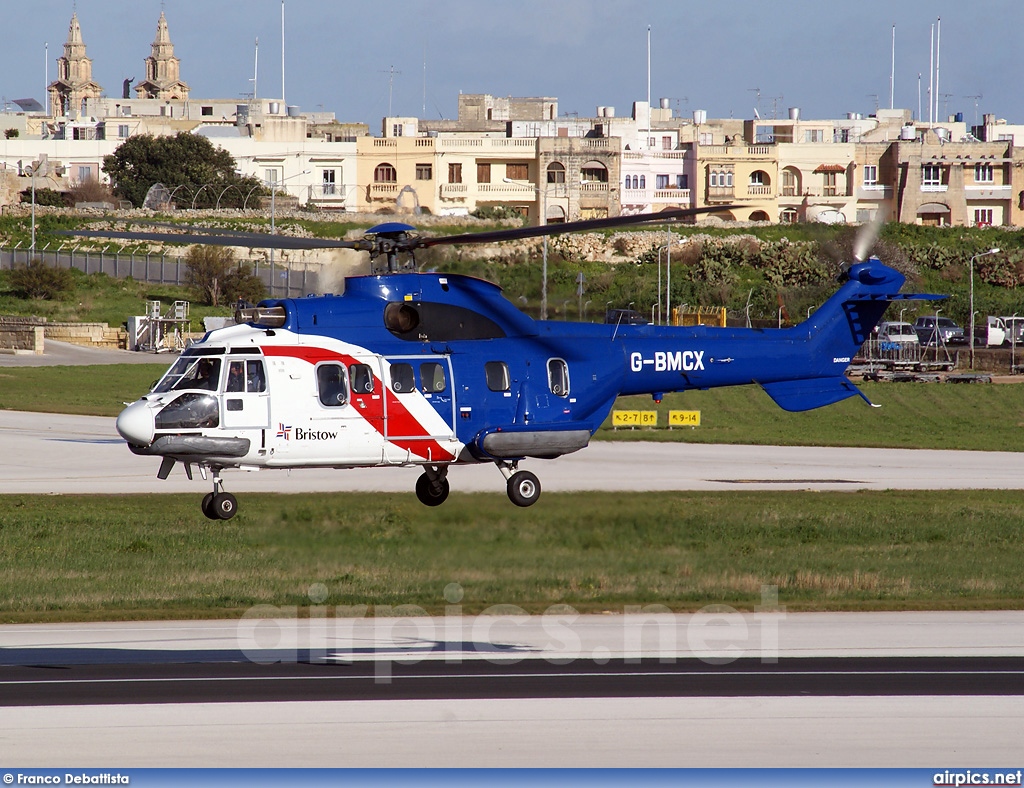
<point>401,421</point>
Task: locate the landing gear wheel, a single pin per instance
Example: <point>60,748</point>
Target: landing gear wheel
<point>208,507</point>
<point>523,488</point>
<point>431,493</point>
<point>224,506</point>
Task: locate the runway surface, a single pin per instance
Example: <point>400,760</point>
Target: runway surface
<point>765,689</point>
<point>55,453</point>
<point>712,689</point>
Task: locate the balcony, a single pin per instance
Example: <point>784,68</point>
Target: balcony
<point>507,191</point>
<point>503,146</point>
<point>989,192</point>
<point>758,190</point>
<point>454,191</point>
<point>327,194</point>
<point>383,191</point>
<point>874,192</point>
<point>656,197</point>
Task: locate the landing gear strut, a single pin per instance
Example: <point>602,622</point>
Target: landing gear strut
<point>523,487</point>
<point>219,505</point>
<point>432,485</point>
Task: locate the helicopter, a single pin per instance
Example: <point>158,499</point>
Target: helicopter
<point>412,368</point>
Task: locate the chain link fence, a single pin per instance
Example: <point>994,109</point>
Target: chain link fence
<point>292,281</point>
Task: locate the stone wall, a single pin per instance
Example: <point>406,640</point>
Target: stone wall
<point>16,330</point>
<point>21,335</point>
<point>98,335</point>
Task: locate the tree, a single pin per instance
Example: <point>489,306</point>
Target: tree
<point>186,160</point>
<point>11,134</point>
<point>218,278</point>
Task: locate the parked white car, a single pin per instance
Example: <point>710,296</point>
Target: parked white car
<point>899,333</point>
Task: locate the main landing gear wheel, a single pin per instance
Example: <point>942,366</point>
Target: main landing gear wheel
<point>220,506</point>
<point>431,492</point>
<point>523,488</point>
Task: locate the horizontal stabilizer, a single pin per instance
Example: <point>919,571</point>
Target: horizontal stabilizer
<point>799,395</point>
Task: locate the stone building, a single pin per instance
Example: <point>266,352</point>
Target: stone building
<point>74,85</point>
<point>163,69</point>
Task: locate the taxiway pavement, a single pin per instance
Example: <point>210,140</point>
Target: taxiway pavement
<point>56,453</point>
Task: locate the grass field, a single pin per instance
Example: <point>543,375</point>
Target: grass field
<point>111,557</point>
<point>102,557</point>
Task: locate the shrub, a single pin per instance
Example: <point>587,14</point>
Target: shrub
<point>50,197</point>
<point>36,280</point>
<point>90,190</point>
<point>218,279</point>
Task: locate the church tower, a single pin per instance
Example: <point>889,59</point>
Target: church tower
<point>74,85</point>
<point>163,69</point>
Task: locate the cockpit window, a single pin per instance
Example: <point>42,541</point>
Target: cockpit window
<point>331,385</point>
<point>191,410</point>
<point>191,373</point>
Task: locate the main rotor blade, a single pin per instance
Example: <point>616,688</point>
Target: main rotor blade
<point>231,238</point>
<point>495,236</point>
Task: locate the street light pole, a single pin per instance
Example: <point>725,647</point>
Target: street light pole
<point>994,250</point>
<point>32,171</point>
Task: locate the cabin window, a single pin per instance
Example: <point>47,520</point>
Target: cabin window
<point>496,373</point>
<point>558,377</point>
<point>360,377</point>
<point>331,386</point>
<point>245,376</point>
<point>402,379</point>
<point>236,377</point>
<point>255,380</point>
<point>432,377</point>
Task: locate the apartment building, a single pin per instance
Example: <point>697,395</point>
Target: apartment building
<point>519,153</point>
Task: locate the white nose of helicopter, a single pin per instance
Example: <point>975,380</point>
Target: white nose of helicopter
<point>136,423</point>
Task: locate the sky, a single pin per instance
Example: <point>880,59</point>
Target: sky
<point>364,59</point>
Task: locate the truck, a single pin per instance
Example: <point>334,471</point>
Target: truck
<point>999,331</point>
<point>935,330</point>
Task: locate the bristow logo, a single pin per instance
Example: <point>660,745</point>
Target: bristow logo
<point>305,435</point>
<point>314,435</point>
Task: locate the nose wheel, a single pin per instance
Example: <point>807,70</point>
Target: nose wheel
<point>432,486</point>
<point>219,505</point>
